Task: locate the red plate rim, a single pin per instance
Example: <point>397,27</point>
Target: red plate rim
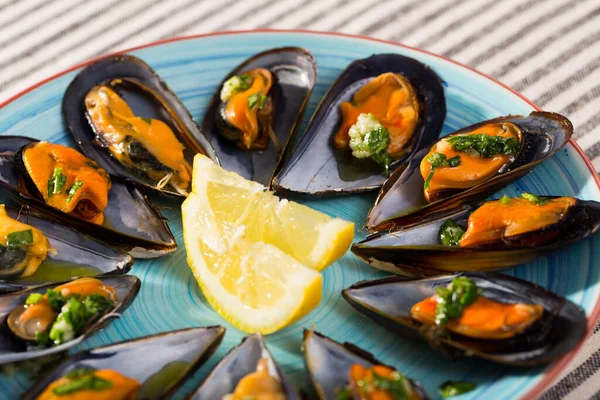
<point>560,365</point>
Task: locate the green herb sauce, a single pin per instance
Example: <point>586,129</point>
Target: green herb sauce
<point>534,199</point>
<point>453,299</point>
<point>487,146</point>
<point>82,379</point>
<point>439,160</point>
<point>18,239</point>
<point>56,182</point>
<point>449,388</point>
<point>76,186</point>
<point>450,233</point>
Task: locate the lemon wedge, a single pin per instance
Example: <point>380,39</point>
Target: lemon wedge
<point>256,257</point>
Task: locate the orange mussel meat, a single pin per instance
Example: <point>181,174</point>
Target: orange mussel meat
<point>473,169</point>
<point>484,319</point>
<point>88,199</point>
<point>121,388</point>
<point>502,220</point>
<point>252,120</point>
<point>392,101</point>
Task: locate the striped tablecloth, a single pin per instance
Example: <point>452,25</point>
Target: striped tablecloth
<point>549,50</point>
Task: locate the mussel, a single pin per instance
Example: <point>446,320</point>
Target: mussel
<point>501,319</point>
<point>332,367</point>
<point>467,166</point>
<point>247,370</point>
<point>152,367</point>
<point>492,235</point>
<point>65,179</point>
<point>62,313</point>
<point>257,110</point>
<point>35,250</point>
<point>125,117</point>
<point>23,247</point>
<point>129,222</point>
<point>20,323</point>
<point>375,116</point>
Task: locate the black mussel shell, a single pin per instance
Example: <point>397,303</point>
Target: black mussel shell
<point>160,363</point>
<point>10,260</point>
<point>315,167</point>
<point>239,362</point>
<point>401,201</point>
<point>328,363</point>
<point>131,223</point>
<point>148,96</point>
<point>294,73</point>
<point>388,302</point>
<point>14,349</point>
<point>416,251</point>
<point>76,255</point>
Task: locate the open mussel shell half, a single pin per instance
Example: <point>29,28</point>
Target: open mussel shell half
<point>148,96</point>
<point>328,363</point>
<point>401,200</point>
<point>13,349</point>
<point>388,302</point>
<point>294,72</point>
<point>160,363</point>
<point>131,223</point>
<point>315,167</point>
<point>416,250</point>
<point>239,362</point>
<point>76,255</point>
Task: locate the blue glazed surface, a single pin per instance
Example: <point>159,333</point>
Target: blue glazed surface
<point>170,298</point>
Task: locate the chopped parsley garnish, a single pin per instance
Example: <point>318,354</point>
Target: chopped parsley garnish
<point>56,182</point>
<point>146,120</point>
<point>505,200</point>
<point>16,240</point>
<point>234,85</point>
<point>533,198</point>
<point>246,82</point>
<point>70,320</point>
<point>76,186</point>
<point>449,388</point>
<point>83,379</point>
<point>370,139</point>
<point>377,141</point>
<point>453,299</point>
<point>56,299</point>
<point>33,298</point>
<point>487,146</point>
<point>253,100</point>
<point>262,101</point>
<point>344,394</point>
<point>439,160</point>
<point>43,339</point>
<point>97,304</point>
<point>384,159</point>
<point>79,373</point>
<point>450,233</point>
<point>394,386</point>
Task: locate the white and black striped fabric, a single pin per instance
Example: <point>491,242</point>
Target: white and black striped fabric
<point>549,50</point>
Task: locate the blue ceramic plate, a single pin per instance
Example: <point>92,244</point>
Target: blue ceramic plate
<point>170,298</point>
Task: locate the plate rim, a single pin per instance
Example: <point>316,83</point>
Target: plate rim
<point>550,376</point>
